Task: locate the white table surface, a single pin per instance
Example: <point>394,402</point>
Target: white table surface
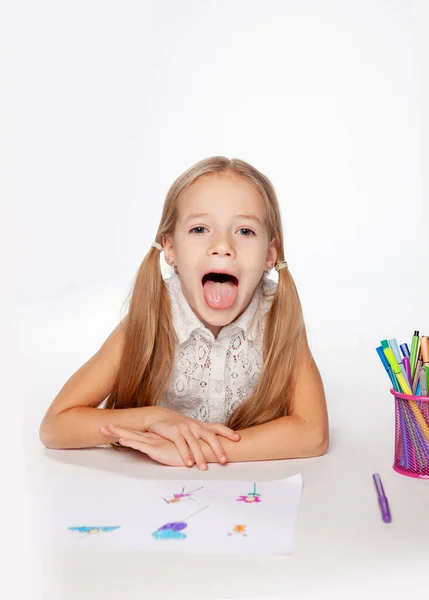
<point>342,548</point>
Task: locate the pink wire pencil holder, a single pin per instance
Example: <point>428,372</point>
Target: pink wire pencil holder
<point>411,435</point>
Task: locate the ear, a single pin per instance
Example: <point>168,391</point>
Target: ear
<point>167,242</point>
<point>271,258</point>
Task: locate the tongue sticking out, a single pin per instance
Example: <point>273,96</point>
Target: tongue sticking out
<point>220,295</point>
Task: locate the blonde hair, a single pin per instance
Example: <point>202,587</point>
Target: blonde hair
<point>149,344</point>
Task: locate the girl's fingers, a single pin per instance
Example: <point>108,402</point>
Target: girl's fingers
<point>154,451</point>
<point>132,435</point>
<point>196,450</point>
<point>125,434</point>
<point>215,445</point>
<point>114,430</point>
<point>183,449</point>
<point>153,436</point>
<point>223,430</point>
<point>137,445</point>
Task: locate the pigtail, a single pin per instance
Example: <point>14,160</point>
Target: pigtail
<point>147,358</point>
<point>283,344</point>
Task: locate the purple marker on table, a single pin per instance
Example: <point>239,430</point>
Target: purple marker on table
<point>382,500</point>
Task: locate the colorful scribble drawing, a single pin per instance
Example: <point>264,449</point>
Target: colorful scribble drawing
<point>173,531</point>
<point>240,529</point>
<point>250,497</point>
<point>85,530</point>
<point>182,496</point>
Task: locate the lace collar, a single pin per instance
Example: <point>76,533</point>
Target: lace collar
<point>185,321</point>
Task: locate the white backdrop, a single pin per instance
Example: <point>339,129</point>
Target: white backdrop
<point>108,102</point>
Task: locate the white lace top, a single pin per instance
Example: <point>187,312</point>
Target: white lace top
<point>211,377</point>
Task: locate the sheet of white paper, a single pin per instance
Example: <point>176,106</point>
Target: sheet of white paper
<point>205,516</point>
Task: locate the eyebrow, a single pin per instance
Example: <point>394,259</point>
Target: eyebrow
<point>198,215</point>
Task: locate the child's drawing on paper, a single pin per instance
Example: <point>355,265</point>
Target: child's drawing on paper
<point>218,516</point>
<point>250,497</point>
<point>240,530</point>
<point>86,530</point>
<point>173,531</point>
<point>182,496</point>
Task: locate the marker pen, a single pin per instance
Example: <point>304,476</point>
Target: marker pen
<point>417,371</point>
<point>405,350</point>
<point>407,368</point>
<point>424,345</point>
<point>394,346</point>
<point>414,351</point>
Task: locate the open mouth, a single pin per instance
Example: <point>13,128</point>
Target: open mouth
<point>220,278</point>
<point>220,289</point>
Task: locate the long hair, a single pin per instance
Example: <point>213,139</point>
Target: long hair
<point>147,360</point>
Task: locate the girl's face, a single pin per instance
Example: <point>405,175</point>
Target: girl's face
<point>221,228</point>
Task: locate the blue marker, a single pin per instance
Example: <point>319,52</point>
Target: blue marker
<point>386,365</point>
<point>405,350</point>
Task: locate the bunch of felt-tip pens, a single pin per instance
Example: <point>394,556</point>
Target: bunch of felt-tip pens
<point>409,375</point>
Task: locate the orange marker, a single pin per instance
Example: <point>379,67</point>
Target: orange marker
<point>424,344</point>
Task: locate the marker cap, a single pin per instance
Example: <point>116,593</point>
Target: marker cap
<point>392,360</point>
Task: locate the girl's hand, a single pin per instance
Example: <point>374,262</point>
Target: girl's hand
<point>185,433</point>
<point>156,447</point>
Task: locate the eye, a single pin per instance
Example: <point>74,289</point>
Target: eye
<point>248,233</point>
<point>194,230</point>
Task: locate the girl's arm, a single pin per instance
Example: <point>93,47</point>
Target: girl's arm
<point>74,420</point>
<point>303,433</point>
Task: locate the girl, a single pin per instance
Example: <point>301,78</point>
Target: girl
<point>212,364</point>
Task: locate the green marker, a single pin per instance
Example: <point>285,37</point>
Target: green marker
<point>414,351</point>
<point>384,344</point>
<point>396,385</point>
<point>419,364</point>
<point>405,388</point>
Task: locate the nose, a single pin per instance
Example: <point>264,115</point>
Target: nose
<point>221,246</point>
